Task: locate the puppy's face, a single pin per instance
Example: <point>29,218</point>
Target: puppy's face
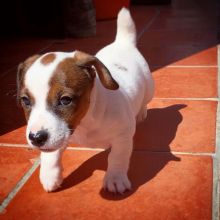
<point>54,91</point>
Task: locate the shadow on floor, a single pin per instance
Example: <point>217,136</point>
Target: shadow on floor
<point>158,130</point>
<point>11,116</point>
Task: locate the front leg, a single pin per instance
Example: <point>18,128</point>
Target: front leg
<point>51,170</point>
<point>116,179</point>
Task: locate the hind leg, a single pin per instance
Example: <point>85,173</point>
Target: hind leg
<point>147,98</point>
<point>142,113</point>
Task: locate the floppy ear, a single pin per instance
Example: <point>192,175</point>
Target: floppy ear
<point>85,60</point>
<point>22,69</point>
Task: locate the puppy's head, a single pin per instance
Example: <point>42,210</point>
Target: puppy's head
<point>54,90</point>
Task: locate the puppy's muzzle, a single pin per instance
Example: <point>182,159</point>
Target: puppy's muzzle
<point>38,139</point>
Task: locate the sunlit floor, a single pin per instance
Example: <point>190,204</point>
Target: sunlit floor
<point>172,164</point>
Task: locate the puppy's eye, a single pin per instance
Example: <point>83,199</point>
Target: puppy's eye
<point>26,101</point>
<point>65,100</point>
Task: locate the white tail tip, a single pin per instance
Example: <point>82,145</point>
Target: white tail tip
<point>126,31</point>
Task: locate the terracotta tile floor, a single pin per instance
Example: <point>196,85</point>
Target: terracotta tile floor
<point>172,164</point>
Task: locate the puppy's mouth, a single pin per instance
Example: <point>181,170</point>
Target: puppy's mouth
<point>48,147</point>
<point>47,150</point>
<point>53,147</point>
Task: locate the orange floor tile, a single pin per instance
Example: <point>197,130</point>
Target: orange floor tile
<point>178,125</point>
<point>14,163</point>
<point>16,136</point>
<point>186,82</point>
<point>160,190</point>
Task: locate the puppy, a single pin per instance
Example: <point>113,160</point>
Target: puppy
<point>94,100</point>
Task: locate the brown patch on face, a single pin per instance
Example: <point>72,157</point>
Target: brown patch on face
<point>21,90</point>
<point>25,95</point>
<point>70,82</point>
<point>47,59</point>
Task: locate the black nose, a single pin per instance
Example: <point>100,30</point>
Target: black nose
<point>38,139</point>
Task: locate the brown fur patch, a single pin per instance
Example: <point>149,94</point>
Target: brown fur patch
<point>27,110</point>
<point>72,81</point>
<point>105,77</point>
<point>47,59</point>
<point>21,90</point>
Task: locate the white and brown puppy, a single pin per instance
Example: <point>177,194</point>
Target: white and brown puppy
<point>94,100</point>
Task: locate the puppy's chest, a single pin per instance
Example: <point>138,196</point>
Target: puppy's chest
<point>90,138</point>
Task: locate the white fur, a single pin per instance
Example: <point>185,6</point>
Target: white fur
<point>51,170</point>
<point>126,28</point>
<point>112,115</point>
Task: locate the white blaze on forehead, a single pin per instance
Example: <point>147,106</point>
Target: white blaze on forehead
<point>38,76</point>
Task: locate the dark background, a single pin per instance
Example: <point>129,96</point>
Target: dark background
<point>54,18</point>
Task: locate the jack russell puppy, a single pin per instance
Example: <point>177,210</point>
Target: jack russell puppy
<point>94,100</point>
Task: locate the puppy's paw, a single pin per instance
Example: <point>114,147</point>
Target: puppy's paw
<point>116,182</point>
<point>51,180</point>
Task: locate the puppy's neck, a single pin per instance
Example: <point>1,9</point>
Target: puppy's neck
<point>96,108</point>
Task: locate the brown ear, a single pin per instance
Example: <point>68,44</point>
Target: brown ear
<point>22,69</point>
<point>87,61</point>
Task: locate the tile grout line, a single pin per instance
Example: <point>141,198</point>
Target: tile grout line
<point>14,145</point>
<point>148,25</point>
<point>190,99</point>
<point>102,149</point>
<point>215,190</point>
<point>86,149</point>
<point>187,66</point>
<point>191,153</point>
<point>216,159</point>
<point>18,186</point>
<point>156,152</point>
<point>47,46</point>
<point>181,66</point>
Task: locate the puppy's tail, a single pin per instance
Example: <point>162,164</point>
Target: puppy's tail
<point>126,31</point>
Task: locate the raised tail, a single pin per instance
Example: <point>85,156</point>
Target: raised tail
<point>126,31</point>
